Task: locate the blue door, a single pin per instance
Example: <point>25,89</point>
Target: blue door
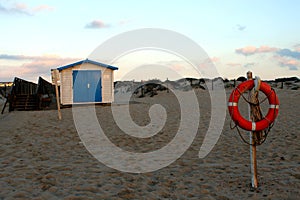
<point>87,86</point>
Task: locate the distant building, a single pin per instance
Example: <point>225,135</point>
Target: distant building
<point>86,81</point>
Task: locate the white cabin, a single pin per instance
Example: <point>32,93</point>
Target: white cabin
<point>86,82</point>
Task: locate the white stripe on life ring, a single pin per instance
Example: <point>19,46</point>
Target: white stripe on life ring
<point>253,126</point>
<point>232,104</point>
<point>274,106</point>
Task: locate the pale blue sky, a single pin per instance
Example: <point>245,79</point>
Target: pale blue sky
<point>262,36</point>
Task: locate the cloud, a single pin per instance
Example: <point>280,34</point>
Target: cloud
<point>15,57</point>
<point>284,57</point>
<point>30,67</point>
<point>41,8</point>
<point>43,65</point>
<point>23,9</point>
<point>17,8</point>
<point>240,27</point>
<point>289,53</point>
<point>292,64</point>
<point>251,50</point>
<point>175,65</point>
<point>97,24</point>
<point>266,49</point>
<point>293,68</point>
<point>297,47</point>
<point>26,57</point>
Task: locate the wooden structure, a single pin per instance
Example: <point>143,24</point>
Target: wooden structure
<point>55,78</point>
<point>253,97</point>
<point>25,95</point>
<point>86,81</point>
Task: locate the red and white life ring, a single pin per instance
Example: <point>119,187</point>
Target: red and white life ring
<point>240,120</point>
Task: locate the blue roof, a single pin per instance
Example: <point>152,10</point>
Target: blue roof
<point>87,61</point>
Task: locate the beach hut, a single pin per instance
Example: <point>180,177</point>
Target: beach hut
<point>86,81</point>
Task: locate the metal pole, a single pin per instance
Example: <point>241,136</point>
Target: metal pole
<point>253,162</point>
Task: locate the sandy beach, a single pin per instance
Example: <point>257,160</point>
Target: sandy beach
<point>44,158</point>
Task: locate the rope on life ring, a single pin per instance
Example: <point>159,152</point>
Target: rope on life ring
<point>239,120</point>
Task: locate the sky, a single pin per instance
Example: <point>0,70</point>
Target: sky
<point>237,36</point>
